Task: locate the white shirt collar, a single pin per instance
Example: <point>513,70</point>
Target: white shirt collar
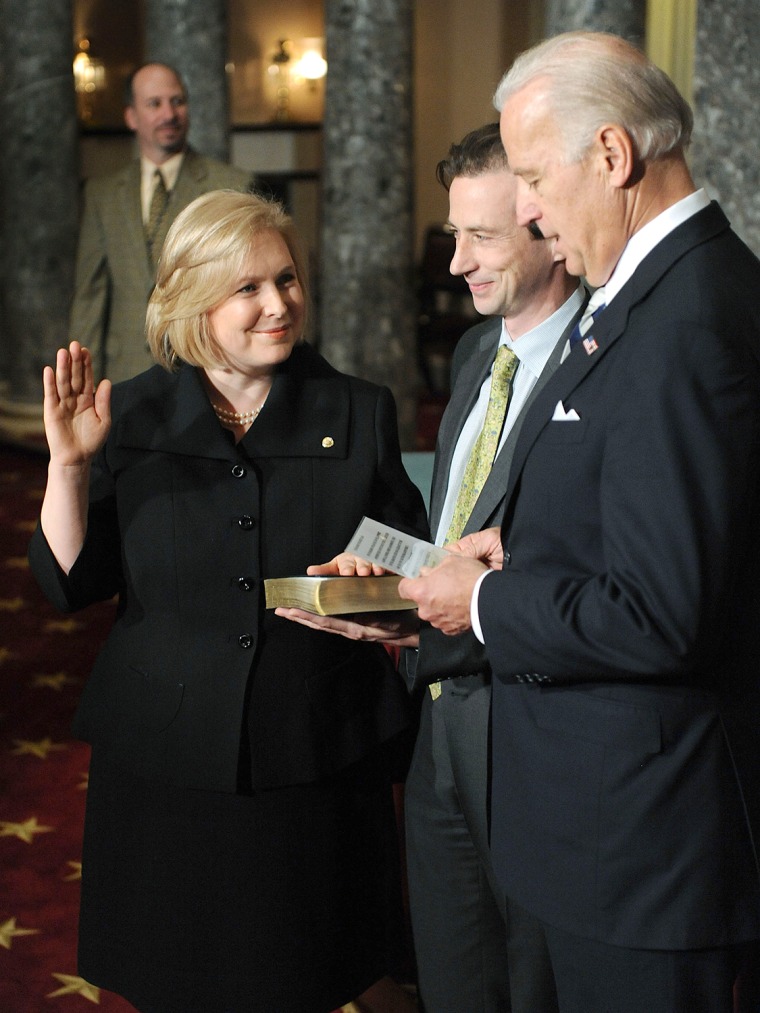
<point>169,170</point>
<point>535,346</point>
<point>644,241</point>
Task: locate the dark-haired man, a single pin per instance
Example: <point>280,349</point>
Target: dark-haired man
<point>474,952</point>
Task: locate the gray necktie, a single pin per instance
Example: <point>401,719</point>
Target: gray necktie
<point>158,204</point>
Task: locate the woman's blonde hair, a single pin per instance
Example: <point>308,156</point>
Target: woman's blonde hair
<point>203,256</point>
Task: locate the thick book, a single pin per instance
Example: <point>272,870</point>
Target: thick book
<point>334,596</point>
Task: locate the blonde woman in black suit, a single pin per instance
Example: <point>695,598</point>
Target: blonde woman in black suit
<point>240,844</point>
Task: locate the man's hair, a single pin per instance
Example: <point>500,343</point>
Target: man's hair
<point>481,151</point>
<point>595,78</point>
<point>203,255</point>
<point>129,84</point>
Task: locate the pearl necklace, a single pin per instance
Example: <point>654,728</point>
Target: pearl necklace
<point>235,418</point>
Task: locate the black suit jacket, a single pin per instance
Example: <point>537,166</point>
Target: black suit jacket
<point>623,631</point>
<point>184,526</point>
<point>440,656</point>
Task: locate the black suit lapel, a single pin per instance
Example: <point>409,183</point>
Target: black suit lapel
<point>494,490</point>
<point>307,413</point>
<point>610,326</point>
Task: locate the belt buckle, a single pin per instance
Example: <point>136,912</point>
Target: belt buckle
<point>435,689</point>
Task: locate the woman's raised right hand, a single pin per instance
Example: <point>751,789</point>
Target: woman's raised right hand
<point>77,416</point>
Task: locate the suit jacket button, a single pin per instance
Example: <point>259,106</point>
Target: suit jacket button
<point>245,640</point>
<point>246,522</point>
<point>238,470</point>
<point>245,583</point>
<point>507,557</point>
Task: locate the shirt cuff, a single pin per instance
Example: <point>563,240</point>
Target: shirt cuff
<point>474,617</point>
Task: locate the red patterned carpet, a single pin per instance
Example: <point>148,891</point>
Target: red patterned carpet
<point>44,659</point>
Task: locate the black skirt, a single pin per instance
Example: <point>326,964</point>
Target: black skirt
<point>284,901</point>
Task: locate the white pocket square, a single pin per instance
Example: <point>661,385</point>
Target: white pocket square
<point>560,415</point>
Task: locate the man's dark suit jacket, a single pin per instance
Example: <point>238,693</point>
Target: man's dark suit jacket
<point>184,525</point>
<point>441,656</point>
<point>624,630</point>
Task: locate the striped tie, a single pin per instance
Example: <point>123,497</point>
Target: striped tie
<point>595,306</point>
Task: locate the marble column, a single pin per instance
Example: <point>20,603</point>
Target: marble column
<point>38,203</point>
<point>368,312</point>
<point>725,155</point>
<point>192,37</point>
<point>623,17</point>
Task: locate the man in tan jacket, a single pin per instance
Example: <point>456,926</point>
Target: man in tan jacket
<point>126,216</point>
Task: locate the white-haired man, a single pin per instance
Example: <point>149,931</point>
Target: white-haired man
<point>619,602</point>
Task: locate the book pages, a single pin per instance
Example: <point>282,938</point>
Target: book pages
<point>392,549</point>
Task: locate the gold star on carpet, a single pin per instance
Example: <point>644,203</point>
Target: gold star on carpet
<point>25,747</point>
<point>6,655</point>
<point>24,831</point>
<point>62,626</point>
<point>76,872</point>
<point>8,932</point>
<point>74,985</point>
<point>84,784</point>
<point>11,604</point>
<point>54,681</point>
<point>17,563</point>
<point>27,526</point>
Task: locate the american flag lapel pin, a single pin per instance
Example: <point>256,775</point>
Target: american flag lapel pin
<point>590,345</point>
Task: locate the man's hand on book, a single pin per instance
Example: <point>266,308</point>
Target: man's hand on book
<point>346,564</point>
<point>443,593</point>
<point>400,629</point>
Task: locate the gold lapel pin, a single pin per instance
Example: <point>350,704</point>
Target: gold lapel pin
<point>328,441</point>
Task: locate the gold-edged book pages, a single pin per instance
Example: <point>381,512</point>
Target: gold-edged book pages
<point>334,596</point>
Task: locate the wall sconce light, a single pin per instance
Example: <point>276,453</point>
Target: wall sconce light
<point>311,64</point>
<point>294,65</point>
<point>278,75</point>
<point>89,78</point>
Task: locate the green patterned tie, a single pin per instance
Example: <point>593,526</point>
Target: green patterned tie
<point>158,205</point>
<point>484,451</point>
